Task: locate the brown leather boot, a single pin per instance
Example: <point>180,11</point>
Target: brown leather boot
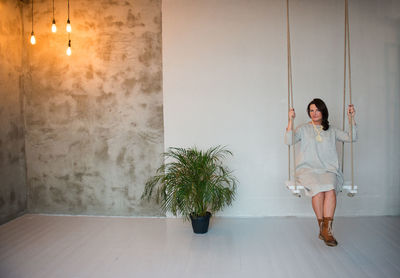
<point>326,232</point>
<point>320,228</point>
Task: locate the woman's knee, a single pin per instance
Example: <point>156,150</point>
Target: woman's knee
<point>330,193</point>
<point>319,195</point>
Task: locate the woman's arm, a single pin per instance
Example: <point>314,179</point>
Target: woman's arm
<point>345,136</point>
<point>289,137</point>
<point>291,115</point>
<point>289,130</point>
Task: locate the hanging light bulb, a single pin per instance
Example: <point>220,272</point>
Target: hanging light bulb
<point>69,48</point>
<point>69,33</point>
<point>33,39</point>
<point>68,26</point>
<point>53,26</point>
<point>68,22</point>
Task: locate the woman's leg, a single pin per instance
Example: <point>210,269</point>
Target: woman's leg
<point>329,203</point>
<point>318,204</point>
<point>329,211</point>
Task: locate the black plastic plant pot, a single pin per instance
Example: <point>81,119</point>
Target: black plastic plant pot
<point>200,223</point>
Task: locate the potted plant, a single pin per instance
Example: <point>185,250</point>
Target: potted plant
<point>193,183</point>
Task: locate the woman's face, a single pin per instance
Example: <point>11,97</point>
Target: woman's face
<point>315,114</point>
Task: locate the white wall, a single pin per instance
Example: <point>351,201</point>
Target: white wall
<point>225,82</point>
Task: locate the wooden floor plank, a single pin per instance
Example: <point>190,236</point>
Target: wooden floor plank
<point>41,246</point>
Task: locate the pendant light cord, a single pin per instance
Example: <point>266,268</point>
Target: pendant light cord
<point>32,16</point>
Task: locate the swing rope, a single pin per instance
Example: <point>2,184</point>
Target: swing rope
<point>347,65</point>
<point>290,96</point>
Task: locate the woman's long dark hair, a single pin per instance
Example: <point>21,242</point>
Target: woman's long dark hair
<point>321,106</point>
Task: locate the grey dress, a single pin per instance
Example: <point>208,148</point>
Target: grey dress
<point>317,163</point>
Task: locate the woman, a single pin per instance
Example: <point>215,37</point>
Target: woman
<point>317,165</point>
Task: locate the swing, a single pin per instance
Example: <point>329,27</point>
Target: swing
<point>291,184</point>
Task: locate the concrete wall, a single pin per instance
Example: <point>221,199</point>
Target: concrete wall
<point>94,120</point>
<point>12,158</point>
<point>225,82</point>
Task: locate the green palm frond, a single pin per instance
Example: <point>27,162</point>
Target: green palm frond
<point>192,181</point>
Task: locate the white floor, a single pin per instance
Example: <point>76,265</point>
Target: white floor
<point>70,246</point>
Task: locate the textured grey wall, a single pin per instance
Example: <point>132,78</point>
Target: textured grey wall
<point>12,160</point>
<point>94,120</point>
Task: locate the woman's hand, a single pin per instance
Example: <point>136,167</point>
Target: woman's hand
<point>292,114</point>
<point>350,111</point>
